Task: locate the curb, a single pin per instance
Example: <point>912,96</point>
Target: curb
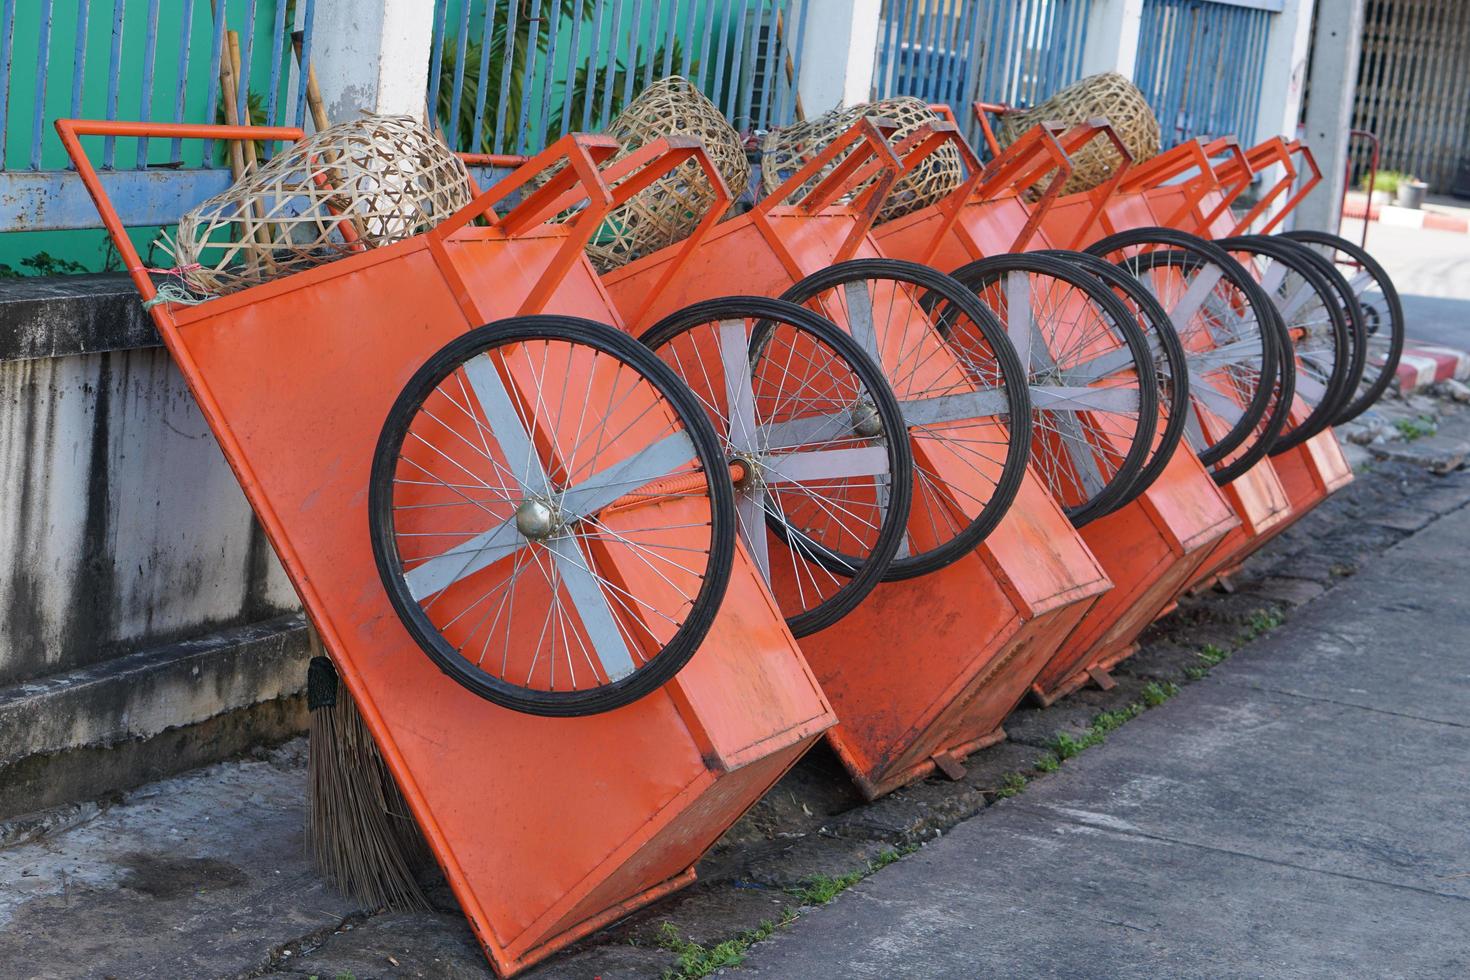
<point>1423,365</point>
<point>1357,206</point>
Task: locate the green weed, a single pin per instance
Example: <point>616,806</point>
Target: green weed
<point>1212,655</point>
<point>1417,428</point>
<point>1012,784</point>
<point>1048,763</point>
<point>1263,621</point>
<point>1155,693</point>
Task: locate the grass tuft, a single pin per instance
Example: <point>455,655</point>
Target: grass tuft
<point>1156,693</point>
<point>1012,784</point>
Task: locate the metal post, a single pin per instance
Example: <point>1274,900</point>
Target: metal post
<point>1335,54</point>
<point>373,55</point>
<point>841,40</point>
<point>1112,37</point>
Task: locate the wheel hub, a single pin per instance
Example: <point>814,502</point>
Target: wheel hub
<point>536,520</point>
<point>753,465</point>
<point>865,419</point>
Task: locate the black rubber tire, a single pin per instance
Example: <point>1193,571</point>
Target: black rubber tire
<point>1352,312</point>
<point>936,284</point>
<point>1376,378</point>
<point>1339,380</point>
<point>1169,357</point>
<point>662,666</point>
<point>863,574</point>
<point>1121,487</point>
<point>1249,440</point>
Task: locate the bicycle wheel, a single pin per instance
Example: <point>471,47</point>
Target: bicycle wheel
<point>1231,336</point>
<point>1316,327</point>
<point>817,434</point>
<point>1352,313</point>
<point>968,423</point>
<point>1094,404</point>
<point>1383,314</point>
<point>551,515</point>
<point>1171,371</point>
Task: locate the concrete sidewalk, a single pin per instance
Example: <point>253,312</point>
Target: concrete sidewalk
<point>1300,813</point>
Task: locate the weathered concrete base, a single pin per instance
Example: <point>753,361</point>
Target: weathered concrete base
<point>91,732</point>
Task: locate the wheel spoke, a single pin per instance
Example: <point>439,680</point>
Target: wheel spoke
<point>1218,402</point>
<point>584,587</point>
<point>638,470</point>
<point>505,423</point>
<point>1056,398</point>
<point>959,407</point>
<point>739,389</point>
<point>826,464</point>
<point>464,560</point>
<point>750,507</point>
<point>860,318</point>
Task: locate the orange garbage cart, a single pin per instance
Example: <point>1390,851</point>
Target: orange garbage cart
<point>1150,546</point>
<point>1316,468</point>
<point>548,823</point>
<point>970,635</point>
<point>1165,192</point>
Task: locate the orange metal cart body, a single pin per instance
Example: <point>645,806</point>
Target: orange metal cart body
<point>1155,195</point>
<point>1153,546</point>
<point>546,828</point>
<point>925,670</point>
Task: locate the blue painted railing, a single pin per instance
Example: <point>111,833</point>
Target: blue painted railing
<point>1014,51</point>
<point>1200,64</point>
<point>134,59</point>
<point>559,66</point>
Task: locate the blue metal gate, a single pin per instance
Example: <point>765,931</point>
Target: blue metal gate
<point>143,59</point>
<point>555,66</point>
<point>1200,64</point>
<point>959,51</point>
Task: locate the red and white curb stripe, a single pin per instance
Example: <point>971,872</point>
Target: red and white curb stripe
<point>1356,206</point>
<point>1422,365</point>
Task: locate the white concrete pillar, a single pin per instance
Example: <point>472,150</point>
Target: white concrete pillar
<point>841,45</point>
<point>1285,71</point>
<point>1336,50</point>
<point>372,55</point>
<point>1112,37</point>
<point>1283,80</point>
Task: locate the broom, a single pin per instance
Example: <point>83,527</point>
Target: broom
<point>362,837</point>
<point>360,832</point>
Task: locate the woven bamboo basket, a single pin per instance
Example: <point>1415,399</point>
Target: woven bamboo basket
<point>1110,96</point>
<point>360,184</point>
<point>670,208</point>
<point>786,150</point>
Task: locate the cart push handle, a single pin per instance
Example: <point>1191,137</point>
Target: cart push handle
<point>578,155</point>
<point>870,154</point>
<point>983,111</point>
<point>869,158</point>
<point>72,130</point>
<point>1292,148</point>
<point>652,162</point>
<point>1075,139</point>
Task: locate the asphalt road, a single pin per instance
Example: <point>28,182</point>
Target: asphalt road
<point>1299,813</point>
<point>1431,270</point>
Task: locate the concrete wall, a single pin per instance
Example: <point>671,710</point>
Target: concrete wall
<point>139,595</point>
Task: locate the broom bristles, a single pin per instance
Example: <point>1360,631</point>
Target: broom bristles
<point>362,837</point>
